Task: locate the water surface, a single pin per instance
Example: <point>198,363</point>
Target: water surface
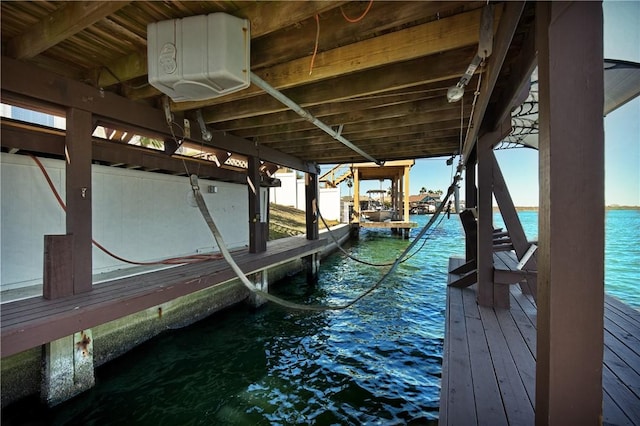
<point>377,363</point>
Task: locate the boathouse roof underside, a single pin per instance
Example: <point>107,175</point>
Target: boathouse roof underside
<point>382,80</point>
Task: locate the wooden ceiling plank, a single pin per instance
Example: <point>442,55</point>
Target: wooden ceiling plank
<point>427,70</point>
<point>431,38</point>
<point>341,112</point>
<point>416,139</point>
<point>123,69</point>
<point>503,37</point>
<point>66,21</point>
<point>351,117</point>
<point>323,110</point>
<point>393,124</point>
<point>416,128</point>
<point>296,41</point>
<point>262,22</point>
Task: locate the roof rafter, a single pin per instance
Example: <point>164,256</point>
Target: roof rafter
<point>427,39</point>
<point>426,70</point>
<point>66,21</point>
<point>419,99</point>
<point>351,117</point>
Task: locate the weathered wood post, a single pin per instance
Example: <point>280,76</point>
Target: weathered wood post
<point>569,38</point>
<point>67,366</point>
<point>471,199</point>
<point>484,247</point>
<point>258,230</point>
<point>261,281</point>
<point>312,262</point>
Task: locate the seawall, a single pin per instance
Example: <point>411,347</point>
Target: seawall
<point>22,373</point>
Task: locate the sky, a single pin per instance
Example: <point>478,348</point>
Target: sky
<point>622,133</point>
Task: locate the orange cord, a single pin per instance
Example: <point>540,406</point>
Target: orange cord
<point>353,21</point>
<point>315,50</point>
<point>195,258</point>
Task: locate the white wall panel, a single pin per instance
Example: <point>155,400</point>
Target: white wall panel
<point>137,215</point>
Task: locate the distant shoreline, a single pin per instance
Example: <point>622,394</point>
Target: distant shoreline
<point>612,207</point>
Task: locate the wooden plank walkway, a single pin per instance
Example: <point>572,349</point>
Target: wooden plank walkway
<point>390,224</point>
<point>488,372</point>
<point>31,322</point>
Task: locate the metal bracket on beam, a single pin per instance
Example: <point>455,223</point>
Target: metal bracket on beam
<point>187,128</point>
<point>206,134</point>
<point>167,110</point>
<point>485,46</point>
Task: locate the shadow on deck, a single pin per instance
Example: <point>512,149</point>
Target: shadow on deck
<point>488,372</point>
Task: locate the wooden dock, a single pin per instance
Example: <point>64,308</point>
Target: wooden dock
<point>488,372</point>
<point>393,224</point>
<point>34,321</point>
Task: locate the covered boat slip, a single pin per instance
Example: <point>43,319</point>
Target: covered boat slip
<point>385,83</point>
<point>397,218</point>
<point>35,321</point>
<point>489,362</point>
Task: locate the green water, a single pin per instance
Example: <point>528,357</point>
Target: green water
<point>377,363</point>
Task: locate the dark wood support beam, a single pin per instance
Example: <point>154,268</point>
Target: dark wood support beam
<point>519,83</point>
<point>489,294</point>
<point>258,230</point>
<point>571,217</point>
<point>79,194</point>
<point>503,37</point>
<point>30,85</point>
<point>311,205</point>
<point>311,262</point>
<point>471,200</point>
<point>508,211</point>
<point>38,140</point>
<point>484,247</point>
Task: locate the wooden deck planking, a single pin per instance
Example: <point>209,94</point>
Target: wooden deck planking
<point>517,406</point>
<point>30,322</point>
<point>613,415</point>
<point>520,351</point>
<point>489,404</point>
<point>458,387</point>
<point>510,338</point>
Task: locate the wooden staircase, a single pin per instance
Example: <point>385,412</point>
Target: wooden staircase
<point>336,175</point>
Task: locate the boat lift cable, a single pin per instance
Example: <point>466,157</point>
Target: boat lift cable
<point>346,253</point>
<point>202,206</point>
<point>364,262</point>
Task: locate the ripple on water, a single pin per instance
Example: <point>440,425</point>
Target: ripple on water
<point>377,363</point>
